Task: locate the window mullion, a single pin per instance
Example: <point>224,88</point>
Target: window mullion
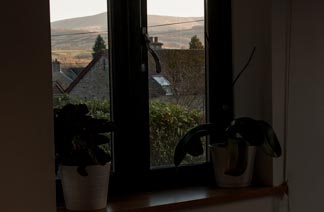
<point>129,95</point>
<point>219,61</point>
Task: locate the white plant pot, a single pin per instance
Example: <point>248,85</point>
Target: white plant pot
<point>221,158</point>
<point>85,193</point>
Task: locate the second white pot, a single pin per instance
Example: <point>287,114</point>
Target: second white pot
<point>221,158</point>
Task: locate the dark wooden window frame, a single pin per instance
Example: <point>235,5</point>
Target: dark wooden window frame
<point>131,149</point>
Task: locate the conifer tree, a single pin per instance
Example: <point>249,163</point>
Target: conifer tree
<point>195,43</point>
<point>99,46</point>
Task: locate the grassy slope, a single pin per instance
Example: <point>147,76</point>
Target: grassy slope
<point>73,48</point>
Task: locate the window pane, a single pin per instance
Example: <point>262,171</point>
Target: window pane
<point>80,67</point>
<point>177,94</point>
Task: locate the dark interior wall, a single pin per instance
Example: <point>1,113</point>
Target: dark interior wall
<point>27,166</point>
<point>251,27</point>
<point>306,106</point>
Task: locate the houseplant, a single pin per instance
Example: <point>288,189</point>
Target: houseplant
<point>236,144</point>
<point>82,154</point>
<point>233,150</point>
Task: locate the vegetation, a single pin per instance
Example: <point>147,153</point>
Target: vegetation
<point>99,109</point>
<point>168,123</point>
<point>241,133</point>
<point>195,43</point>
<point>99,46</point>
<point>72,58</point>
<point>183,68</point>
<point>80,139</point>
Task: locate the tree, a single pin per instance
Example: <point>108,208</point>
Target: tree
<point>195,43</point>
<point>99,46</point>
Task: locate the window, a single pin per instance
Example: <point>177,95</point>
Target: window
<point>177,94</point>
<point>195,81</point>
<point>131,80</point>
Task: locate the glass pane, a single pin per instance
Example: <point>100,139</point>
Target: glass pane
<point>80,67</point>
<point>79,54</point>
<point>177,94</point>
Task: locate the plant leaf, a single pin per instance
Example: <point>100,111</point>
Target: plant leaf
<point>82,170</point>
<point>246,128</point>
<point>99,125</point>
<point>191,143</point>
<point>195,148</point>
<point>271,145</point>
<point>99,139</point>
<point>102,157</point>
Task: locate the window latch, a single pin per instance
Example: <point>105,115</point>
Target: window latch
<point>151,51</point>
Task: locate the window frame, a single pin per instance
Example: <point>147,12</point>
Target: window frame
<point>127,52</point>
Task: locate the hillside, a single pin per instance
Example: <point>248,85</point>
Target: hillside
<point>72,39</point>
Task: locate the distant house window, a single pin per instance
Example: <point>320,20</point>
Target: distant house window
<point>164,83</point>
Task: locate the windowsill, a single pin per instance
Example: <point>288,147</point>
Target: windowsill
<point>190,197</point>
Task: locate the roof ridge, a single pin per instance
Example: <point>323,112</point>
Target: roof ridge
<point>84,72</point>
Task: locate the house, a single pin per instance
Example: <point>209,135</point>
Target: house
<point>155,44</point>
<point>58,89</point>
<point>73,72</point>
<point>92,82</point>
<point>159,86</point>
<point>287,70</point>
<point>61,78</point>
<point>184,70</point>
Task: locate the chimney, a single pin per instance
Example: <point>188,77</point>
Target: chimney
<point>155,44</point>
<point>56,66</point>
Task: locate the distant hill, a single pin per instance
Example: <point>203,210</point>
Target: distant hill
<point>73,34</point>
<point>87,23</point>
<point>72,39</point>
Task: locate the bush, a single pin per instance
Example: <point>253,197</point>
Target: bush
<point>98,108</point>
<point>168,123</point>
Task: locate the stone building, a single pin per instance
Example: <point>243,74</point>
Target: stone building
<point>185,71</point>
<point>92,83</point>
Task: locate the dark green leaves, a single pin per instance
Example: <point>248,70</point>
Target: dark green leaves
<point>79,137</point>
<point>256,133</point>
<point>270,145</point>
<point>246,128</point>
<point>240,134</point>
<point>191,142</point>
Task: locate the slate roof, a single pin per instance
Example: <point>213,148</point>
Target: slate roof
<point>62,79</point>
<point>57,88</point>
<point>85,71</point>
<point>73,72</point>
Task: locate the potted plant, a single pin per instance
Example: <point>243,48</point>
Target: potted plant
<point>233,151</point>
<point>81,149</point>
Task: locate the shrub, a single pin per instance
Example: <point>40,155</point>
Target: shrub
<point>99,109</point>
<point>168,123</point>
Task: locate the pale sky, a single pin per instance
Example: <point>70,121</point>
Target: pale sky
<point>64,9</point>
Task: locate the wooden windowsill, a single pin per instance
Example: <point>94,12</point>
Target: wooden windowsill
<point>192,197</point>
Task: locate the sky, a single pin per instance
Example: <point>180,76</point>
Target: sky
<point>64,9</point>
